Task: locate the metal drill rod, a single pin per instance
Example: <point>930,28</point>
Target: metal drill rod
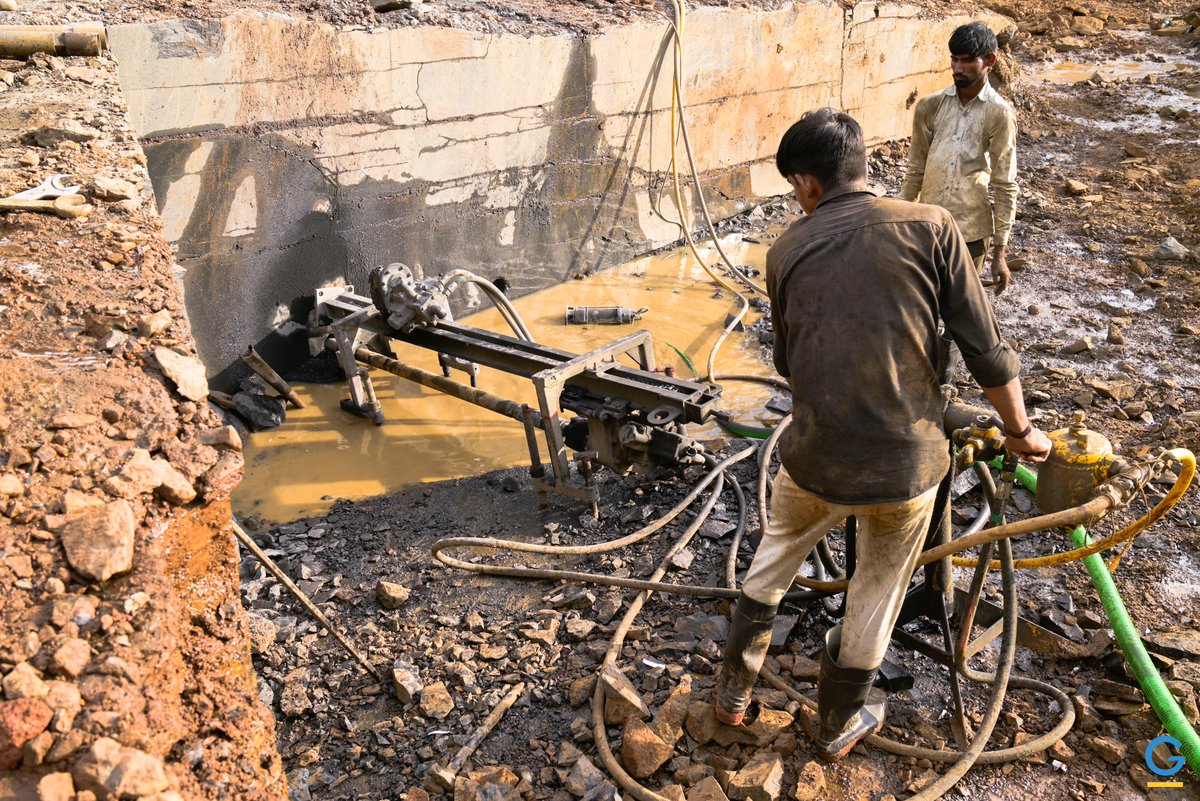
<point>520,412</point>
<point>256,363</point>
<point>278,573</point>
<point>444,776</point>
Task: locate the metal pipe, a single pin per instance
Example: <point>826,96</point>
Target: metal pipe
<point>22,41</point>
<point>283,579</point>
<point>520,412</point>
<point>264,371</point>
<point>445,776</point>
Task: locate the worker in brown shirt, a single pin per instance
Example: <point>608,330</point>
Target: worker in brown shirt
<point>857,287</point>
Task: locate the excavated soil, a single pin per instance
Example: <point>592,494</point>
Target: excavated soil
<point>1105,322</point>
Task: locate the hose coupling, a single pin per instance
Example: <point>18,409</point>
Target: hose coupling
<point>982,440</point>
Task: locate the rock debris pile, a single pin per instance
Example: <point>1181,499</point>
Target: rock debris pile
<point>110,460</point>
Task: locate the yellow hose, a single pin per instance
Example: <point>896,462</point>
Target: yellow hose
<point>676,122</point>
<point>1187,463</point>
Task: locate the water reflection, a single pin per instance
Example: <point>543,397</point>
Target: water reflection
<point>322,453</point>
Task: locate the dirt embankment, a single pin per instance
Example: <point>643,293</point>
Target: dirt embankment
<point>123,647</point>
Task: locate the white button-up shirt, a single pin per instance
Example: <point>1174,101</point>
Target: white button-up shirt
<point>959,151</point>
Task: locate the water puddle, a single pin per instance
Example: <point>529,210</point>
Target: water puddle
<point>322,453</point>
<point>1127,300</point>
<point>1068,72</point>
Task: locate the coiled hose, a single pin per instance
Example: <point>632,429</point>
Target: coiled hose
<point>1148,678</point>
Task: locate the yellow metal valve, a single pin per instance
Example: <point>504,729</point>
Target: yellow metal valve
<point>1079,461</point>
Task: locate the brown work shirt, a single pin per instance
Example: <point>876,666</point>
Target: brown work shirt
<point>856,289</point>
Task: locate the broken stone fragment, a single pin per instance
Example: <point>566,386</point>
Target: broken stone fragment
<point>1111,751</point>
<point>110,770</point>
<point>546,636</point>
<point>682,560</point>
<point>436,701</point>
<point>143,473</point>
<point>391,595</point>
<point>581,690</point>
<point>68,420</point>
<point>107,188</point>
<point>71,657</point>
<point>810,783</point>
<point>642,751</point>
<point>223,476</point>
<point>1114,390</point>
<point>11,486</point>
<point>20,721</point>
<point>579,629</point>
<point>618,688</point>
<point>262,632</point>
<point>1081,345</point>
<point>223,437</point>
<point>1086,26</point>
<point>151,325</point>
<point>1177,643</point>
<point>185,372</point>
<point>64,131</point>
<point>491,653</point>
<point>1087,719</point>
<point>769,724</point>
<point>760,780</point>
<point>583,778</point>
<point>702,726</point>
<point>261,411</point>
<point>98,541</point>
<point>1171,250</point>
<point>406,681</point>
<point>173,486</point>
<point>56,787</point>
<point>708,789</point>
<point>1070,44</point>
<point>1074,187</point>
<point>23,681</point>
<point>294,700</point>
<point>670,718</point>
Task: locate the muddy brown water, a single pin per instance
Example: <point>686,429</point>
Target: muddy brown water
<point>1066,72</point>
<point>321,453</point>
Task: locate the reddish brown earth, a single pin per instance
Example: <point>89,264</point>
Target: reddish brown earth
<point>165,668</point>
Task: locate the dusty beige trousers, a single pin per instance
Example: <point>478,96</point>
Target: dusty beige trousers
<point>889,540</point>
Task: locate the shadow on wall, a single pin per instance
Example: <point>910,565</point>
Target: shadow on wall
<point>260,236</point>
<point>259,223</point>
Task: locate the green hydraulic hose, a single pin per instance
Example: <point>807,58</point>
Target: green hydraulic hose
<point>1161,700</point>
<point>1160,697</point>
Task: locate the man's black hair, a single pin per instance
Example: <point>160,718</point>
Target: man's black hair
<point>973,39</point>
<point>826,144</point>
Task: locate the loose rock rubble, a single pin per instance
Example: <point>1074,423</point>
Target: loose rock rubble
<point>118,669</point>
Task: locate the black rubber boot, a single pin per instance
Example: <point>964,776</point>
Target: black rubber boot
<point>848,707</point>
<point>745,650</point>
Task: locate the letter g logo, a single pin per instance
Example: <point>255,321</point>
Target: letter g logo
<point>1175,763</point>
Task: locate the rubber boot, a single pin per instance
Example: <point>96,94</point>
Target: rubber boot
<point>848,707</point>
<point>745,650</point>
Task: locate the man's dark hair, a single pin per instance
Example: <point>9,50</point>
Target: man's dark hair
<point>826,144</point>
<point>973,39</point>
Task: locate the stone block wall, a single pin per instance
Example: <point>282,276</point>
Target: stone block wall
<point>286,153</point>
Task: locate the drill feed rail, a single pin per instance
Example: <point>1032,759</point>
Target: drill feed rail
<point>633,416</point>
